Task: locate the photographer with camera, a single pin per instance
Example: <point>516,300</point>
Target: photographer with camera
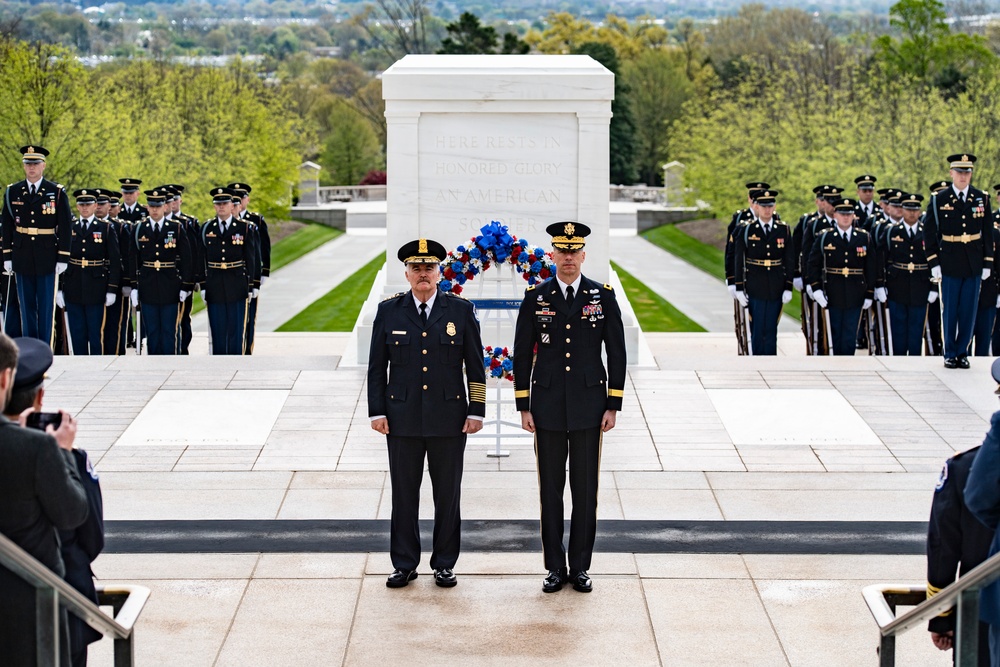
<point>40,491</point>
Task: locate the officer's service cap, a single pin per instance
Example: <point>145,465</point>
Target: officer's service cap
<point>179,189</point>
<point>114,196</point>
<point>962,161</point>
<point>865,182</point>
<point>757,185</point>
<point>243,189</point>
<point>103,196</point>
<point>422,251</point>
<point>168,192</point>
<point>911,201</point>
<point>845,205</point>
<point>221,195</point>
<point>130,184</point>
<point>33,154</point>
<point>568,235</point>
<point>34,358</point>
<point>85,196</point>
<point>996,188</point>
<point>895,197</point>
<point>237,199</point>
<point>753,194</point>
<point>832,193</point>
<point>820,189</point>
<point>766,197</point>
<point>155,197</point>
<point>938,186</point>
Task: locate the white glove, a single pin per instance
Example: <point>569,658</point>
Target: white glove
<point>732,290</point>
<point>135,298</point>
<point>204,296</point>
<point>797,283</point>
<point>986,274</point>
<point>881,294</point>
<point>126,291</point>
<point>867,304</point>
<point>60,299</point>
<point>742,298</point>
<point>936,273</point>
<point>809,291</point>
<point>253,295</point>
<point>110,298</point>
<point>932,296</point>
<point>820,298</point>
<point>786,296</point>
<point>263,279</point>
<point>998,302</point>
<point>60,267</point>
<point>184,295</point>
<point>8,267</point>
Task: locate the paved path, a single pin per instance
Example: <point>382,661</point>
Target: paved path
<point>290,290</point>
<point>698,295</point>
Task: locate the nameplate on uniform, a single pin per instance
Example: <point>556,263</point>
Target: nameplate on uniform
<point>755,238</point>
<point>399,333</point>
<point>947,207</point>
<point>830,247</point>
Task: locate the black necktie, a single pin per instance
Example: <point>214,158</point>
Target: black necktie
<point>961,197</point>
<point>32,188</point>
<point>423,313</point>
<point>569,294</point>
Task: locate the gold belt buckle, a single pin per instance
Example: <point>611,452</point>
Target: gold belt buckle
<point>156,265</point>
<point>33,231</point>
<point>910,267</point>
<point>965,238</point>
<point>844,271</point>
<point>223,266</point>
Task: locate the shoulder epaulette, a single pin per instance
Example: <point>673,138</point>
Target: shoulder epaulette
<point>530,287</point>
<point>457,296</point>
<point>60,186</point>
<point>393,296</point>
<point>609,287</point>
<point>781,222</point>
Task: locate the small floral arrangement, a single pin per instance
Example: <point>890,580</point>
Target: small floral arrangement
<point>494,244</point>
<point>498,362</point>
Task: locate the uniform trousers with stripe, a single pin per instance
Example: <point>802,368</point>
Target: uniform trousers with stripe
<point>764,316</point>
<point>445,459</point>
<point>982,333</point>
<point>227,321</point>
<point>583,447</point>
<point>115,325</point>
<point>907,326</point>
<point>844,325</point>
<point>159,326</point>
<point>37,297</point>
<point>961,300</point>
<point>86,328</point>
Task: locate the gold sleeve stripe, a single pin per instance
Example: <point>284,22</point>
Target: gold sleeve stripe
<point>616,393</point>
<point>522,393</point>
<point>477,385</point>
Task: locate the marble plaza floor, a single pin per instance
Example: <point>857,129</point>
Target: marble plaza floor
<point>707,442</point>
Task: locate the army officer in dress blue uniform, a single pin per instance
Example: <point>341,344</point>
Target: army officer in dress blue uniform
<point>161,274</point>
<point>765,266</point>
<point>567,398</point>
<point>423,337</point>
<point>842,275</point>
<point>36,237</point>
<point>959,240</point>
<point>90,284</point>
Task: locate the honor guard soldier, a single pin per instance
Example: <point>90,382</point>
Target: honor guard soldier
<point>866,209</point>
<point>740,217</point>
<point>161,270</point>
<point>842,275</point>
<point>228,283</point>
<point>90,285</point>
<point>989,298</point>
<point>193,230</point>
<point>765,265</point>
<point>567,397</point>
<point>131,211</point>
<point>253,240</point>
<point>933,335</point>
<point>908,289</point>
<point>264,250</point>
<point>959,240</point>
<point>36,236</point>
<point>421,339</point>
<point>118,315</point>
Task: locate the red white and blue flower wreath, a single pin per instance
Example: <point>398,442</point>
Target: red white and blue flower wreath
<point>494,244</point>
<point>498,362</point>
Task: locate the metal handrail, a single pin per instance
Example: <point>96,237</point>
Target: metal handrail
<point>52,591</point>
<point>963,594</point>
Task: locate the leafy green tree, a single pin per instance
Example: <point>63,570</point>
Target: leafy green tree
<point>514,45</point>
<point>351,150</point>
<point>468,35</point>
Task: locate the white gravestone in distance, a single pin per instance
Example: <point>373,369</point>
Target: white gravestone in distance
<point>520,139</point>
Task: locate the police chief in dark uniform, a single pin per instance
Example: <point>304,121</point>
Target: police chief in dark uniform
<point>228,270</point>
<point>161,273</point>
<point>36,236</point>
<point>959,241</point>
<point>842,274</point>
<point>90,285</point>
<point>567,398</point>
<point>417,398</point>
<point>765,266</point>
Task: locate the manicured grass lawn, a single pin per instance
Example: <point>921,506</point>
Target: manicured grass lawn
<point>338,309</point>
<point>709,259</point>
<point>653,311</point>
<point>289,249</point>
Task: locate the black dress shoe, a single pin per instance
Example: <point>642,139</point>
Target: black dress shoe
<point>581,581</point>
<point>963,361</point>
<point>400,578</point>
<point>445,577</point>
<point>951,363</point>
<point>555,580</point>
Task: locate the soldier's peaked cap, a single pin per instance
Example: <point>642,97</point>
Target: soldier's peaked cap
<point>33,154</point>
<point>85,196</point>
<point>962,161</point>
<point>221,195</point>
<point>130,184</point>
<point>568,235</point>
<point>155,197</point>
<point>845,205</point>
<point>865,181</point>
<point>757,185</point>
<point>241,188</point>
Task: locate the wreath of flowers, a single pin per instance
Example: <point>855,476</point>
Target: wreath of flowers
<point>494,244</point>
<point>499,363</point>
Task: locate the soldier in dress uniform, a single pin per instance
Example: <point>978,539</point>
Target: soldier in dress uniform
<point>35,239</point>
<point>959,239</point>
<point>131,211</point>
<point>740,216</point>
<point>421,339</point>
<point>90,285</point>
<point>264,250</point>
<point>842,275</point>
<point>765,265</point>
<point>567,397</point>
<point>989,298</point>
<point>117,316</point>
<point>908,288</point>
<point>933,336</point>
<point>804,221</point>
<point>193,229</point>
<point>229,267</point>
<point>867,209</point>
<point>161,273</point>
